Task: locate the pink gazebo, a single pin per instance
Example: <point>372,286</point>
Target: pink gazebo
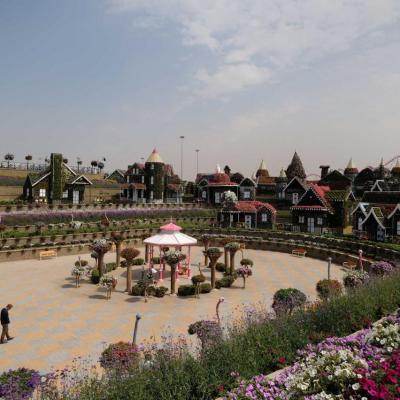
<point>170,236</point>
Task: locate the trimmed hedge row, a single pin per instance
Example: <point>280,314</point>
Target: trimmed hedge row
<point>254,347</point>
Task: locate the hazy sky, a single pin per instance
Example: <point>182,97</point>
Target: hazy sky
<point>242,80</point>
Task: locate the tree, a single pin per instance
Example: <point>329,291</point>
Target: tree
<point>206,239</point>
<point>28,158</point>
<point>9,157</point>
<point>214,253</point>
<point>117,239</point>
<point>100,165</point>
<point>100,247</point>
<point>232,247</point>
<point>286,300</point>
<point>173,258</point>
<point>129,254</point>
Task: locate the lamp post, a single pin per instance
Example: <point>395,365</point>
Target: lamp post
<point>329,268</point>
<point>360,253</point>
<point>182,137</point>
<point>138,317</point>
<point>197,161</point>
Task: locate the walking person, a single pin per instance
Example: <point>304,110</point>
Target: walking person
<point>5,321</point>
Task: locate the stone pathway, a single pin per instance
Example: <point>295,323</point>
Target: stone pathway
<point>54,322</point>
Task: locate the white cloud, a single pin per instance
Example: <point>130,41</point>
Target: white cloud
<point>260,37</point>
<point>231,78</point>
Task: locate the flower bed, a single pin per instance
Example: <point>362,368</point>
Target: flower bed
<point>361,366</point>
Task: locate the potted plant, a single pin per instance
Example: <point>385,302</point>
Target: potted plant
<point>129,254</point>
<point>173,258</point>
<point>109,283</point>
<point>213,253</point>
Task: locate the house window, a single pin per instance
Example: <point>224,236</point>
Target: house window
<point>217,198</point>
<point>264,217</point>
<point>151,166</point>
<point>398,227</point>
<point>204,194</point>
<point>222,217</point>
<point>151,195</point>
<point>28,192</point>
<point>152,180</point>
<point>142,179</point>
<point>231,218</point>
<point>295,198</point>
<point>65,194</point>
<point>319,221</point>
<point>42,192</point>
<point>246,194</point>
<point>360,220</point>
<point>301,219</point>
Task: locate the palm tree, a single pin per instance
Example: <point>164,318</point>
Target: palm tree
<point>214,253</point>
<point>173,258</point>
<point>28,158</point>
<point>9,157</point>
<point>94,165</point>
<point>100,165</point>
<point>117,239</point>
<point>129,254</point>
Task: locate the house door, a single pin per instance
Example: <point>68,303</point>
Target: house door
<point>75,197</point>
<point>247,221</point>
<point>310,224</point>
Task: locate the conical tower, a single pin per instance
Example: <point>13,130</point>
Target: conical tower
<point>262,170</point>
<point>351,170</point>
<point>396,169</point>
<point>154,178</point>
<point>296,168</point>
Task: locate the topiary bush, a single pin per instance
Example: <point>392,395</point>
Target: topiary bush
<point>226,281</point>
<point>327,289</point>
<point>156,260</point>
<point>286,300</point>
<point>381,268</point>
<point>186,290</point>
<point>205,288</point>
<point>220,267</point>
<point>196,279</point>
<point>95,277</point>
<point>120,357</point>
<point>246,262</point>
<point>161,291</point>
<point>356,278</point>
<point>138,261</point>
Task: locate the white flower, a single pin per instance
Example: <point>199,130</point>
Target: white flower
<point>355,386</point>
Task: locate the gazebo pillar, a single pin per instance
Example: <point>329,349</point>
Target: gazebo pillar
<point>161,266</point>
<point>146,253</point>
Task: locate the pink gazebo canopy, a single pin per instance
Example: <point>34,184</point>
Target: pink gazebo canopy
<point>170,235</point>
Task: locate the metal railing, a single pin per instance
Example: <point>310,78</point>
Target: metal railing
<point>30,166</point>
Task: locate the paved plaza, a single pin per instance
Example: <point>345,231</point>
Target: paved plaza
<point>54,322</point>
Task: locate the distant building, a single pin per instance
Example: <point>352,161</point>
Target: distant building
<point>151,182</point>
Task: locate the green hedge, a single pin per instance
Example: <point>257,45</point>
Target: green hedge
<point>255,347</point>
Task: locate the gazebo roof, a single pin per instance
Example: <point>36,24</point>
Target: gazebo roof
<point>170,235</point>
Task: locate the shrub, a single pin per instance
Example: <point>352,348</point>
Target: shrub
<point>381,268</point>
<point>161,291</point>
<point>95,277</point>
<point>205,288</point>
<point>198,279</point>
<point>186,290</point>
<point>138,261</point>
<point>286,300</point>
<point>247,262</point>
<point>19,383</point>
<point>328,288</point>
<point>226,281</point>
<point>111,266</point>
<point>81,263</point>
<point>220,267</point>
<point>156,260</point>
<point>120,356</point>
<point>137,290</point>
<point>355,278</point>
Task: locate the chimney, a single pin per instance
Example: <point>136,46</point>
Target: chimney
<point>324,171</point>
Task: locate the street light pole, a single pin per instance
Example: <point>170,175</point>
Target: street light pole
<point>182,137</point>
<point>197,162</point>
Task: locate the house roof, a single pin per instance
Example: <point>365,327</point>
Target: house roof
<point>351,167</point>
<point>296,168</point>
<point>320,192</point>
<point>363,207</point>
<point>174,187</point>
<point>338,195</point>
<point>377,214</point>
<point>133,185</point>
<point>266,180</point>
<point>105,183</point>
<point>12,181</point>
<point>253,206</point>
<point>397,208</point>
<point>386,197</point>
<point>295,180</point>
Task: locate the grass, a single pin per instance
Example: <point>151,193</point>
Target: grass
<point>255,344</point>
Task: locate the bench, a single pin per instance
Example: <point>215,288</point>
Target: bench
<point>47,254</point>
<point>350,265</point>
<point>299,252</point>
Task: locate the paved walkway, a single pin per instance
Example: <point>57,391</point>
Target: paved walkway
<point>54,322</point>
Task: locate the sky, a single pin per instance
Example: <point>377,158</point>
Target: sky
<point>242,80</point>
